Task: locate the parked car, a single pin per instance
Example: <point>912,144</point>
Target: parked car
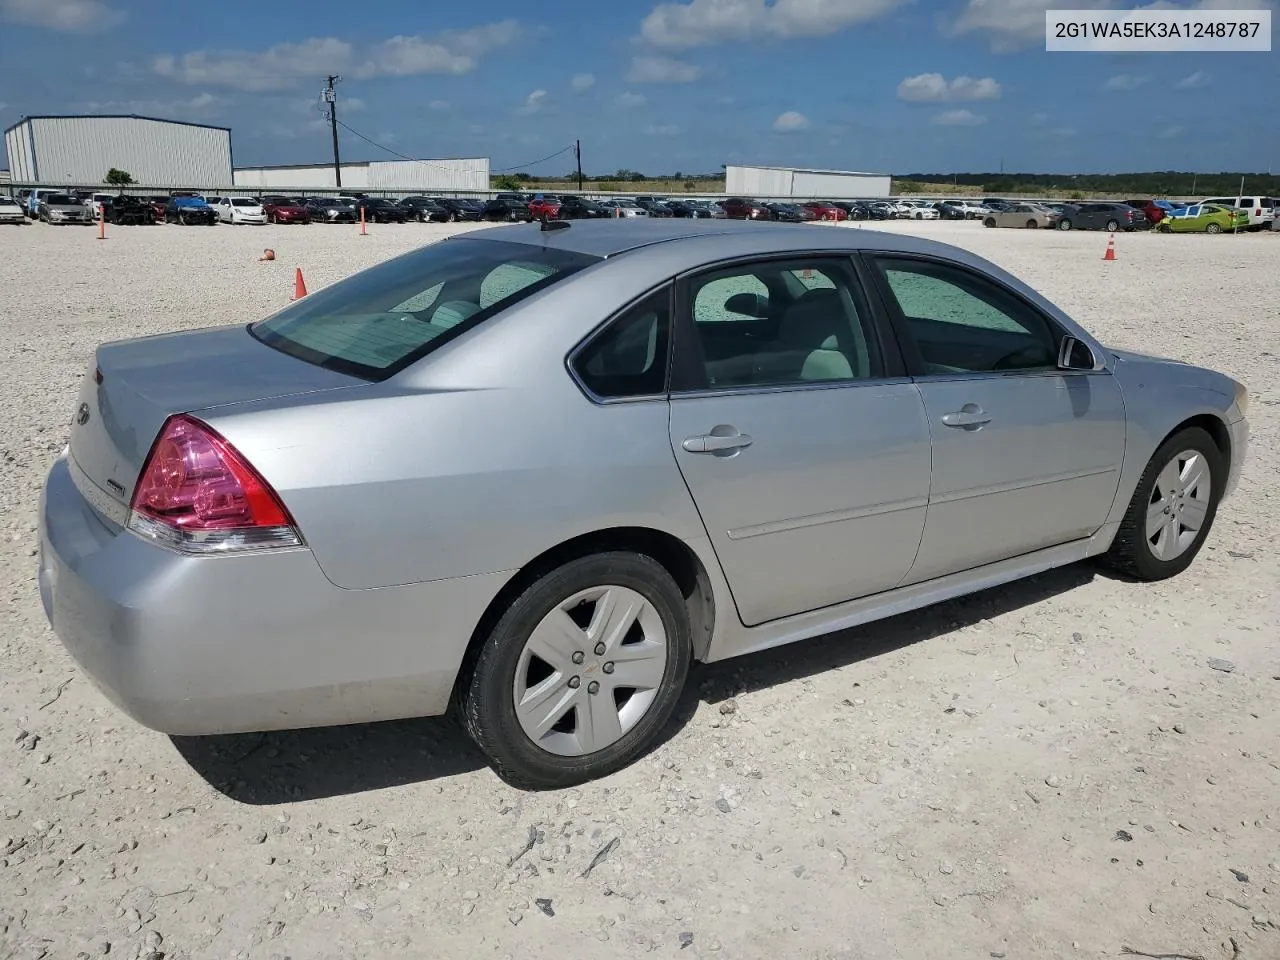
<point>425,210</point>
<point>921,210</point>
<point>744,208</point>
<point>826,210</point>
<point>241,210</point>
<point>1111,217</point>
<point>11,211</point>
<point>623,208</point>
<point>1204,218</point>
<point>1261,210</point>
<point>464,209</point>
<point>962,210</point>
<point>949,211</point>
<point>514,210</point>
<point>1153,211</point>
<point>1029,215</point>
<point>124,209</point>
<point>284,210</point>
<point>581,208</point>
<point>654,206</point>
<point>544,206</point>
<point>380,210</point>
<point>31,201</point>
<point>189,209</point>
<point>854,209</point>
<point>62,208</point>
<point>158,205</point>
<point>883,210</point>
<point>790,213</point>
<point>329,210</point>
<point>687,209</point>
<point>563,632</point>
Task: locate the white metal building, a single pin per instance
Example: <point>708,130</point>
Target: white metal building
<point>78,151</point>
<point>768,182</point>
<point>464,175</point>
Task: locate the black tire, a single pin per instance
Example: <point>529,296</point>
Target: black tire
<point>486,700</point>
<point>1163,228</point>
<point>1131,552</point>
<point>1213,228</point>
<point>989,222</point>
<point>1113,226</point>
<point>1064,224</point>
<point>1033,225</point>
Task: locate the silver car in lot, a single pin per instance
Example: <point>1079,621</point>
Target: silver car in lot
<point>535,471</point>
<point>59,208</point>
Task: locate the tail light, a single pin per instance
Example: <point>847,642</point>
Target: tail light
<point>197,494</point>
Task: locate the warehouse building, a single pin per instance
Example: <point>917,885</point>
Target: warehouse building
<point>465,175</point>
<point>770,182</point>
<point>78,151</point>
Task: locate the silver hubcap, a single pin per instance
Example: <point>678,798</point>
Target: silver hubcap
<point>590,670</point>
<point>1179,505</point>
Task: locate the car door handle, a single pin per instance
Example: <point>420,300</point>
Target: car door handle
<point>969,417</point>
<point>712,443</point>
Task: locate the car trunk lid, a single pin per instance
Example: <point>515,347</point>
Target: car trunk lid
<point>133,386</point>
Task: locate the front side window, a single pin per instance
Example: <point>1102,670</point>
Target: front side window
<point>381,320</point>
<point>963,323</point>
<point>781,323</point>
<point>629,357</point>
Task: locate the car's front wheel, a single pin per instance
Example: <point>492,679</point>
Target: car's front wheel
<point>581,673</point>
<point>989,222</point>
<point>1064,224</point>
<point>1172,508</point>
<point>1113,226</point>
<point>1213,228</point>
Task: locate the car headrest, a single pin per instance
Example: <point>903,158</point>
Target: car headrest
<point>812,321</point>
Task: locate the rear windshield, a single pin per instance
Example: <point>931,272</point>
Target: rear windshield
<point>377,322</point>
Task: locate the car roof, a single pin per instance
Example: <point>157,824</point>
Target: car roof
<point>607,238</point>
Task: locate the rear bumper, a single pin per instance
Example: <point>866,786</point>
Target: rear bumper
<point>207,645</point>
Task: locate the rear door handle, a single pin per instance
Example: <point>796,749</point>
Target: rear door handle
<point>969,417</point>
<point>712,443</point>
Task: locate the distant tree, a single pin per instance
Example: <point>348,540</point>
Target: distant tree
<point>689,184</point>
<point>506,182</point>
<point>524,177</point>
<point>118,178</point>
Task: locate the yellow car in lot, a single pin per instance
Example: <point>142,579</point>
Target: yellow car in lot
<point>1203,218</point>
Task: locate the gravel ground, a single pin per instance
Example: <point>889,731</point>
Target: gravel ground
<point>1051,769</point>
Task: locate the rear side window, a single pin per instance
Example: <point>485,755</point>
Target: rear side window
<point>377,322</point>
<point>629,357</point>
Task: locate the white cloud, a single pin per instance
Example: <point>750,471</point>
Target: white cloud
<point>72,16</point>
<point>1194,81</point>
<point>1040,118</point>
<point>533,103</point>
<point>438,106</point>
<point>959,118</point>
<point>702,22</point>
<point>201,105</point>
<point>1168,133</point>
<point>1125,81</point>
<point>662,130</point>
<point>662,70</point>
<point>791,122</point>
<point>583,81</point>
<point>630,99</point>
<point>934,88</point>
<point>289,65</point>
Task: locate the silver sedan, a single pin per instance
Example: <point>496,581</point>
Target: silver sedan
<point>536,471</point>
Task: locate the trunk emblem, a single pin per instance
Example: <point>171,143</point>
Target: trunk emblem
<point>82,414</point>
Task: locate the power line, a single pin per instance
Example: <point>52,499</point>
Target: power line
<point>531,163</point>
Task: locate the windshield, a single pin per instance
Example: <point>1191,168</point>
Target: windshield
<point>242,202</point>
<point>60,198</point>
<point>379,321</point>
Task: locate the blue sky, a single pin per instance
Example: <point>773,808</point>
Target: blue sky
<point>881,85</point>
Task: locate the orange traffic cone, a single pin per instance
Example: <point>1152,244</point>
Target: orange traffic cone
<point>1111,248</point>
<point>299,285</point>
<point>363,231</point>
<point>102,222</point>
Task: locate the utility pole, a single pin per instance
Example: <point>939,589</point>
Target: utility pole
<point>331,98</point>
<point>577,149</point>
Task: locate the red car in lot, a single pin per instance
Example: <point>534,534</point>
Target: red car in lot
<point>285,210</point>
<point>741,208</point>
<point>544,206</point>
<point>826,210</point>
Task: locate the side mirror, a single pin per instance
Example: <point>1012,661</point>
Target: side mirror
<point>1074,354</point>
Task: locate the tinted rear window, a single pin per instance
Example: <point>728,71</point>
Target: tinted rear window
<point>379,321</point>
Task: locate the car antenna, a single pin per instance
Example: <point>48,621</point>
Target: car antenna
<point>555,225</point>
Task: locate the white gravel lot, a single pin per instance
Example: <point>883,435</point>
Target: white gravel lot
<point>1049,769</point>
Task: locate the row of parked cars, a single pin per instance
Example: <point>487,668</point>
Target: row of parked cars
<point>1213,215</point>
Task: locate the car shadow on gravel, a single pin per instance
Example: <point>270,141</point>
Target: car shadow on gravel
<point>297,765</point>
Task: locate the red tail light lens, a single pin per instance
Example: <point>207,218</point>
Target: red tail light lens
<point>197,494</point>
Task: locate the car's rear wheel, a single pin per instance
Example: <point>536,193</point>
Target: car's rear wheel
<point>1033,225</point>
<point>1213,228</point>
<point>1113,226</point>
<point>1172,508</point>
<point>581,673</point>
<point>989,222</point>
